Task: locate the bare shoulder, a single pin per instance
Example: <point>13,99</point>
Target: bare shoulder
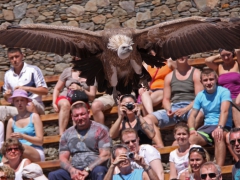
<point>196,74</point>
<point>168,76</point>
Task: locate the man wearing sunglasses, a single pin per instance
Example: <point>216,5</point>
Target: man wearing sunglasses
<point>151,155</point>
<point>234,139</point>
<point>215,101</point>
<point>210,171</point>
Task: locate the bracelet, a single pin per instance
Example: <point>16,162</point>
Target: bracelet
<point>191,129</point>
<point>147,169</point>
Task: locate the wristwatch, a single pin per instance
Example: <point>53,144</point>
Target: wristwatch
<point>87,169</point>
<point>220,126</point>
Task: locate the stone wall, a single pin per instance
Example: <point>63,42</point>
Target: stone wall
<point>101,14</point>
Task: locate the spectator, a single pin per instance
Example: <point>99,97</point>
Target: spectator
<point>180,88</point>
<point>215,101</point>
<point>197,157</point>
<point>210,170</point>
<point>33,171</point>
<point>151,156</point>
<point>179,157</point>
<point>26,126</point>
<point>229,76</point>
<point>13,150</point>
<point>87,143</point>
<point>129,116</point>
<point>234,139</point>
<point>6,173</point>
<point>71,80</point>
<point>121,159</point>
<point>152,97</point>
<point>26,77</point>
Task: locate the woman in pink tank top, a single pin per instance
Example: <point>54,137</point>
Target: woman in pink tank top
<point>229,77</point>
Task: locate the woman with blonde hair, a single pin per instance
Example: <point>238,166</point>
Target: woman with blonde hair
<point>197,157</point>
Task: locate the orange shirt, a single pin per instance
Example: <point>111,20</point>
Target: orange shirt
<point>158,81</point>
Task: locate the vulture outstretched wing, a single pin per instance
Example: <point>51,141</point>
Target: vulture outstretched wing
<point>191,35</point>
<point>56,39</point>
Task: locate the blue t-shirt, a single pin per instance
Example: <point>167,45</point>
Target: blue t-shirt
<point>135,175</point>
<point>211,105</point>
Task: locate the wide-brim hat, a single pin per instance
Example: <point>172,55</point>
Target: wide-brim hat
<point>19,93</point>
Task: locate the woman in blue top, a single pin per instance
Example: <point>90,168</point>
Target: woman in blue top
<point>26,126</point>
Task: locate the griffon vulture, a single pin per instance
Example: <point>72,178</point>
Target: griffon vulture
<point>114,56</point>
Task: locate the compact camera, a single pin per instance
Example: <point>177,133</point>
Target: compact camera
<point>130,155</point>
<point>130,106</point>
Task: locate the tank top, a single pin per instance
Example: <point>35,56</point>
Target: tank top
<point>18,174</point>
<point>135,175</point>
<point>142,136</point>
<point>29,130</point>
<point>231,81</point>
<point>182,90</point>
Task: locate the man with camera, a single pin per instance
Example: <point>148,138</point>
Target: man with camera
<point>151,155</point>
<point>121,159</point>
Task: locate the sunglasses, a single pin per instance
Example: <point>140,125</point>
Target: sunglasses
<point>211,175</point>
<point>128,142</point>
<point>199,149</point>
<point>233,142</point>
<point>10,149</point>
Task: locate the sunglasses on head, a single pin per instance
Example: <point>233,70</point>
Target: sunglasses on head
<point>233,142</point>
<point>10,149</point>
<point>128,142</point>
<point>211,175</point>
<point>199,149</point>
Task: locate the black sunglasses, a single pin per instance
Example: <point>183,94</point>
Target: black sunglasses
<point>128,142</point>
<point>10,149</point>
<point>211,175</point>
<point>233,142</point>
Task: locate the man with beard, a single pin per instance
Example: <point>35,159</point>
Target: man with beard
<point>88,143</point>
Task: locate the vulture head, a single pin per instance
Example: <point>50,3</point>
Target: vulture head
<point>122,44</point>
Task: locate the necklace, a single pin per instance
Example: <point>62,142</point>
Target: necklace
<point>82,138</point>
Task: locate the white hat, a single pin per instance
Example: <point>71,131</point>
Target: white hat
<point>33,171</point>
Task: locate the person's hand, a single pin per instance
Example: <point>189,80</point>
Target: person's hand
<point>76,174</point>
<point>74,86</point>
<point>170,113</point>
<point>193,132</point>
<point>25,88</point>
<point>8,92</point>
<point>137,109</point>
<point>84,174</point>
<point>17,135</point>
<point>180,112</point>
<point>142,90</point>
<point>218,134</point>
<point>119,159</point>
<point>139,160</point>
<point>55,107</point>
<point>121,110</point>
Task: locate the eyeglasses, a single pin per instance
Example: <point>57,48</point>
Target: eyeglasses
<point>233,142</point>
<point>199,149</point>
<point>211,175</point>
<point>128,142</point>
<point>10,149</point>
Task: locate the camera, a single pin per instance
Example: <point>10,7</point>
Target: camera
<point>130,155</point>
<point>130,106</point>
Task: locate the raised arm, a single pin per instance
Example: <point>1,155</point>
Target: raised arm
<point>238,55</point>
<point>210,62</point>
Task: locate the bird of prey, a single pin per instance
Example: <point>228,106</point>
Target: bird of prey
<point>113,57</point>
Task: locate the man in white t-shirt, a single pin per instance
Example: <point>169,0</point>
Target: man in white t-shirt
<point>151,155</point>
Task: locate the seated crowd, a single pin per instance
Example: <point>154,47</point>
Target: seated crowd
<point>201,110</point>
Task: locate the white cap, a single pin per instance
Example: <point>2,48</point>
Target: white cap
<point>33,171</point>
